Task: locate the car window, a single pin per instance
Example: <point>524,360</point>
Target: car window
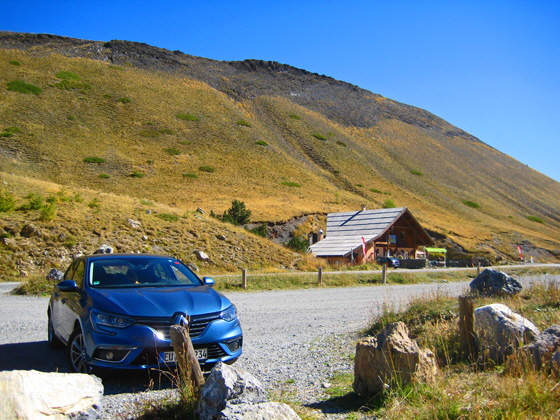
<point>133,272</point>
<point>76,273</point>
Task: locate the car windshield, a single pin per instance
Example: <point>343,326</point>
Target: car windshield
<point>131,272</point>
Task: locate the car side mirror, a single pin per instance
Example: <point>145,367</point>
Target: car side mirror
<point>208,281</point>
<point>67,286</point>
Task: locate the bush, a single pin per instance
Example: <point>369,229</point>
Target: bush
<point>168,217</point>
<point>93,159</point>
<point>124,100</point>
<point>35,202</point>
<point>319,137</point>
<point>7,201</point>
<point>298,243</point>
<point>15,63</point>
<point>291,184</point>
<point>418,173</point>
<point>471,204</point>
<point>208,169</point>
<point>295,117</point>
<point>535,219</point>
<point>389,204</point>
<point>13,130</point>
<point>187,117</point>
<point>48,212</point>
<point>23,87</point>
<point>260,230</point>
<point>136,174</point>
<point>243,123</point>
<point>172,151</point>
<point>237,214</point>
<point>341,143</point>
<point>261,143</point>
<point>189,175</point>
<point>104,176</point>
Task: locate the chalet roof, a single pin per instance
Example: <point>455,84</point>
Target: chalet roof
<point>346,230</point>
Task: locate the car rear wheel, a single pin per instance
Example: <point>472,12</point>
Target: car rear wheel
<point>77,353</point>
<point>53,341</point>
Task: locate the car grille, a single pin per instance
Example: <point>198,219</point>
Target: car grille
<point>198,324</point>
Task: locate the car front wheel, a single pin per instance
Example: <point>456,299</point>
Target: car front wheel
<point>77,353</point>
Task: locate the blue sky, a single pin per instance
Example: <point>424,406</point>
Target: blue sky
<point>492,68</point>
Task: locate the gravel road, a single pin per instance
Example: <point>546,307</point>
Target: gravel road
<point>293,340</point>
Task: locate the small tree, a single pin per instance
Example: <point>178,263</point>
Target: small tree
<point>237,214</point>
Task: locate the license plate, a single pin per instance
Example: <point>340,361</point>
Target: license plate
<point>169,356</point>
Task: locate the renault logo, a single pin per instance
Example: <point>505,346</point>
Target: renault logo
<point>182,320</point>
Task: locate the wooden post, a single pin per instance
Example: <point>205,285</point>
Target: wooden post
<point>244,278</point>
<point>384,273</point>
<point>320,276</point>
<point>477,266</point>
<point>189,368</point>
<point>466,328</point>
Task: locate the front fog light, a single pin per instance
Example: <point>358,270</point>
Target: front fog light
<point>234,345</point>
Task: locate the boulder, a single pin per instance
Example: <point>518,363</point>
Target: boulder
<point>495,283</point>
<point>40,395</point>
<point>499,331</point>
<point>104,249</point>
<point>55,275</point>
<point>230,393</point>
<point>545,349</point>
<point>391,358</point>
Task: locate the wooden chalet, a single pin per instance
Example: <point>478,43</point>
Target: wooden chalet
<point>383,232</point>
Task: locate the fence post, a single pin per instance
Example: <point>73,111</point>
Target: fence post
<point>320,275</point>
<point>384,273</point>
<point>189,368</point>
<point>466,328</point>
<point>244,278</point>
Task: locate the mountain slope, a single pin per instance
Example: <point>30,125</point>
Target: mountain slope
<point>193,132</point>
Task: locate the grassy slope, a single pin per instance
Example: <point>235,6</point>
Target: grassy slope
<point>59,128</point>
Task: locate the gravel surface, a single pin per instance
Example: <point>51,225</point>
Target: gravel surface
<point>294,341</point>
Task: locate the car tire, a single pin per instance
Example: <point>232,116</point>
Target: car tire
<point>76,353</point>
<point>53,341</point>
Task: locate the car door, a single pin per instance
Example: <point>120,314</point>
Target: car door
<point>67,306</point>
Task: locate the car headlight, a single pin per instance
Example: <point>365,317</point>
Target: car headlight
<point>109,320</point>
<point>229,314</point>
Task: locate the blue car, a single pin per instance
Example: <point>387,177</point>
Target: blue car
<point>114,311</point>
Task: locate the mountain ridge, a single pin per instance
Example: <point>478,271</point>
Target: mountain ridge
<point>284,140</point>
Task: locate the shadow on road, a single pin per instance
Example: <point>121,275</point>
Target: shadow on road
<point>37,355</point>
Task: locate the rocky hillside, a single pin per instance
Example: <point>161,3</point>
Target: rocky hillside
<point>151,125</point>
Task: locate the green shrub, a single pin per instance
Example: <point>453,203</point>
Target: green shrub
<point>172,151</point>
<point>168,217</point>
<point>23,87</point>
<point>104,176</point>
<point>471,204</point>
<point>187,117</point>
<point>208,169</point>
<point>71,117</point>
<point>259,230</point>
<point>48,212</point>
<point>298,243</point>
<point>295,117</point>
<point>243,123</point>
<point>291,184</point>
<point>319,137</point>
<point>35,202</point>
<point>189,175</point>
<point>136,174</point>
<point>6,134</point>
<point>535,219</point>
<point>389,204</point>
<point>261,143</point>
<point>237,214</point>
<point>341,143</point>
<point>7,201</point>
<point>418,173</point>
<point>15,63</point>
<point>124,100</point>
<point>93,159</point>
<point>94,204</point>
<point>13,130</point>
<point>67,75</point>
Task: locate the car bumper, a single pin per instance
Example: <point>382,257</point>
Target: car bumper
<point>140,347</point>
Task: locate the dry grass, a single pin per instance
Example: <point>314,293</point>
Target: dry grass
<point>128,117</point>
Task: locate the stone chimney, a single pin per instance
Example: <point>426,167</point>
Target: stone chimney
<point>363,207</point>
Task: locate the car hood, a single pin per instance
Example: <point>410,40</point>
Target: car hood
<point>158,302</point>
